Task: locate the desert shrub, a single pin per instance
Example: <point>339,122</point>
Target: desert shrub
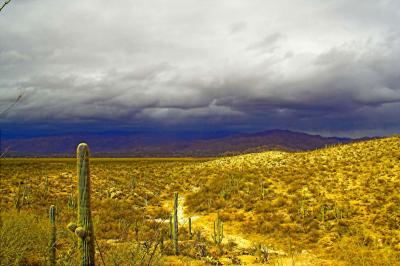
<point>239,216</point>
<point>352,252</point>
<point>263,206</point>
<point>219,204</point>
<point>238,203</point>
<point>226,216</point>
<point>313,236</point>
<point>24,239</point>
<point>127,254</point>
<point>278,202</point>
<point>67,248</point>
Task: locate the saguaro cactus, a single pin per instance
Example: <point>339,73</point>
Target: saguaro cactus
<point>175,224</point>
<point>84,228</point>
<point>190,227</point>
<point>71,197</point>
<point>19,200</point>
<point>52,245</point>
<point>171,225</point>
<point>218,231</point>
<point>323,209</point>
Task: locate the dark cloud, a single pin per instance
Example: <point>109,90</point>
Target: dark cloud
<point>324,67</point>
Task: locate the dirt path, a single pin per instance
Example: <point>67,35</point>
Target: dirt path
<point>204,223</point>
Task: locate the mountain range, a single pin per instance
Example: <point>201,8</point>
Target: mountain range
<point>153,145</point>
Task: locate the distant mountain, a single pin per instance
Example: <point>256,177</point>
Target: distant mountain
<point>147,145</point>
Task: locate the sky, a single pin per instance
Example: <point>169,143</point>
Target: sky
<point>326,67</point>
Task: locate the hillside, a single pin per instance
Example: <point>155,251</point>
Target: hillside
<point>167,145</point>
<point>283,140</point>
<point>343,200</point>
<point>334,206</point>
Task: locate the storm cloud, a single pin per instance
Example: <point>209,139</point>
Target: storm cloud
<point>328,67</point>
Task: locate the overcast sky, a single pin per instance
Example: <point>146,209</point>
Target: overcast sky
<point>330,67</point>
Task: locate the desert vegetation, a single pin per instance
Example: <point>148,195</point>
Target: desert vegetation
<point>335,206</point>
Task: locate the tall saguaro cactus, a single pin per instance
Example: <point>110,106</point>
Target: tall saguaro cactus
<point>190,227</point>
<point>84,228</point>
<point>218,231</point>
<point>175,224</point>
<point>52,245</point>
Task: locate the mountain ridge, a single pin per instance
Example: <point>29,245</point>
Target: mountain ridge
<point>159,145</point>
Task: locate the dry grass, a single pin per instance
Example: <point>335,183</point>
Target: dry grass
<point>335,206</point>
<point>24,239</point>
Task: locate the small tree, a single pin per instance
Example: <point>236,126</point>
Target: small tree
<point>8,108</point>
<point>4,4</point>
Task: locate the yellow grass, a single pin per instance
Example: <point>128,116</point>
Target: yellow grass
<point>334,206</point>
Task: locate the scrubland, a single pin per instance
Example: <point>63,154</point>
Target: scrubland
<point>334,206</point>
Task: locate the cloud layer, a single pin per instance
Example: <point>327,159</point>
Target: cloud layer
<point>330,67</point>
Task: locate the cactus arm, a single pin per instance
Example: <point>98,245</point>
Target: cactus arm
<point>171,228</point>
<point>52,245</point>
<point>222,232</point>
<point>190,228</point>
<point>215,234</point>
<point>175,227</point>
